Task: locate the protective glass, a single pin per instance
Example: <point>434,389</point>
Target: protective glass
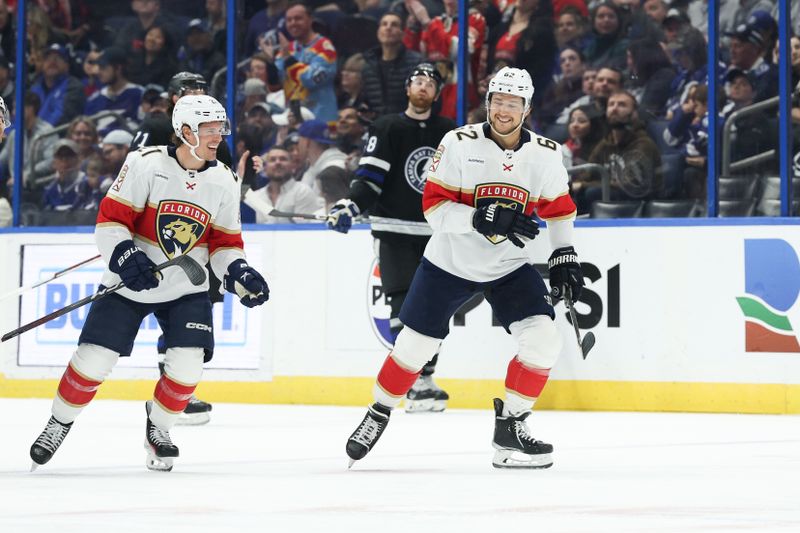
<point>209,131</point>
<point>423,81</point>
<point>509,106</point>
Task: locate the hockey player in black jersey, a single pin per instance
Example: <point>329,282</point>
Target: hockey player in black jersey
<point>388,183</point>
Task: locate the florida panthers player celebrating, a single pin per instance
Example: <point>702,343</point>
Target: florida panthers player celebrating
<point>483,186</point>
<point>165,202</point>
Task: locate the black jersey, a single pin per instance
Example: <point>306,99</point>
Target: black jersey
<point>394,165</point>
<point>157,130</point>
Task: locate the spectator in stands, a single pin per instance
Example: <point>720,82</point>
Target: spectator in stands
<point>83,131</point>
<point>282,192</point>
<point>130,37</point>
<point>296,165</point>
<point>689,52</point>
<point>317,149</point>
<point>115,147</point>
<point>651,74</point>
<point>606,81</point>
<point>351,92</point>
<point>259,115</point>
<point>91,80</point>
<point>37,158</point>
<point>62,193</point>
<point>200,54</point>
<point>155,61</point>
<point>656,10</point>
<point>93,186</point>
<point>61,94</point>
<point>608,43</point>
<point>751,134</point>
<point>216,22</point>
<point>567,89</point>
<point>586,129</point>
<point>697,12</point>
<point>8,38</point>
<point>695,150</point>
<point>387,66</point>
<point>154,101</point>
<point>674,24</point>
<point>629,154</point>
<point>746,53</point>
<point>571,28</point>
<point>39,30</point>
<point>350,136</point>
<point>333,184</point>
<point>6,83</point>
<point>270,18</point>
<point>306,64</point>
<point>118,94</point>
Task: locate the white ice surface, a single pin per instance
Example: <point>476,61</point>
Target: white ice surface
<point>283,469</point>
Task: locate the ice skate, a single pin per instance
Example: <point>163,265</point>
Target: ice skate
<point>515,446</point>
<point>161,452</point>
<point>48,442</point>
<point>368,432</point>
<point>197,413</point>
<point>425,396</point>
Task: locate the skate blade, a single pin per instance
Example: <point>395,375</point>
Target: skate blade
<point>156,463</point>
<point>350,463</point>
<point>425,406</point>
<point>193,419</point>
<point>517,459</point>
<point>34,466</point>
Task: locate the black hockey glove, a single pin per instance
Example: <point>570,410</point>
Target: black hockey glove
<point>245,282</point>
<point>496,219</point>
<point>565,271</point>
<point>133,267</point>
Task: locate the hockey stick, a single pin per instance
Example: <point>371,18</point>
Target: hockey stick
<point>20,290</point>
<point>195,273</point>
<point>364,219</point>
<point>588,341</point>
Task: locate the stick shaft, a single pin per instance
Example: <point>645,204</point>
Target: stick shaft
<point>26,288</point>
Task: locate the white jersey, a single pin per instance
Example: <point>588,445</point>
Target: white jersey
<point>470,170</point>
<point>168,211</point>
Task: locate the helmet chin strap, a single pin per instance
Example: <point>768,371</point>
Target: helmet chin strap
<point>192,148</point>
<point>503,135</point>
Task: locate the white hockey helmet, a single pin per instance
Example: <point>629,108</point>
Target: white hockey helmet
<point>193,110</point>
<point>515,81</point>
<point>4,114</point>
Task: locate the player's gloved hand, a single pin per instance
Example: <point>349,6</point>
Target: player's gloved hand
<point>341,215</point>
<point>245,282</point>
<point>133,266</point>
<point>565,272</point>
<point>495,219</point>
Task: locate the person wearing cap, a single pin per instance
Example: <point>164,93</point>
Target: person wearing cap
<point>200,54</point>
<point>115,146</point>
<point>62,193</point>
<point>747,53</point>
<point>118,94</point>
<point>155,62</point>
<point>253,91</point>
<point>317,147</point>
<point>61,94</point>
<point>259,116</point>
<point>306,64</point>
<point>387,66</point>
<point>37,157</point>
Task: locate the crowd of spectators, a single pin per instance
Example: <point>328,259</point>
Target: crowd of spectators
<point>620,83</point>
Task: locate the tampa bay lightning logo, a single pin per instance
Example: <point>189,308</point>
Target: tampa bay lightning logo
<point>416,167</point>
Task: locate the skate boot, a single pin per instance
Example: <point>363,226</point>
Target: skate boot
<point>515,446</point>
<point>368,432</point>
<point>197,413</point>
<point>160,451</point>
<point>48,442</point>
<point>425,396</point>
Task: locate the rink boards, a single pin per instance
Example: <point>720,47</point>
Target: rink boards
<point>700,317</point>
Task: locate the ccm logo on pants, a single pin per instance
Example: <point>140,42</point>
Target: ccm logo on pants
<point>198,325</point>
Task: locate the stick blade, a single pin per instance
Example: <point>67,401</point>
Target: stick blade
<point>192,269</point>
<point>587,344</point>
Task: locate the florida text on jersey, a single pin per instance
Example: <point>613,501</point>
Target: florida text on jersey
<point>168,211</point>
<point>471,169</point>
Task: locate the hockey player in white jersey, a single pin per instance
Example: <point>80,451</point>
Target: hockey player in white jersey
<point>484,184</point>
<point>166,201</point>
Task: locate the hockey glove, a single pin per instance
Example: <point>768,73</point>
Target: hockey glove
<point>133,266</point>
<point>496,219</point>
<point>245,282</point>
<point>342,214</point>
<point>565,271</point>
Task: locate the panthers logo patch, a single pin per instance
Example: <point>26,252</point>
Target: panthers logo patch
<point>505,194</point>
<point>180,225</point>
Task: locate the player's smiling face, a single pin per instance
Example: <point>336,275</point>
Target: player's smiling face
<point>506,112</point>
<point>210,134</point>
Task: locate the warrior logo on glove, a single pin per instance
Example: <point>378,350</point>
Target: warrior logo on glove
<point>180,226</point>
<point>506,195</point>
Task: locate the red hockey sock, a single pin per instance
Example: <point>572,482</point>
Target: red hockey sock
<point>76,390</point>
<point>394,379</point>
<point>171,395</point>
<point>526,381</point>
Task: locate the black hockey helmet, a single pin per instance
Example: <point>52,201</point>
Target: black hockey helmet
<point>184,81</point>
<point>427,69</point>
